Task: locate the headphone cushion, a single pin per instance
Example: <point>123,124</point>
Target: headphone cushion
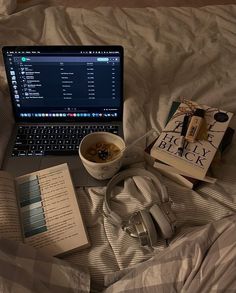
<point>149,225</point>
<point>162,221</point>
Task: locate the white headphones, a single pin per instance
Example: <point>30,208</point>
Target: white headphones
<point>145,224</point>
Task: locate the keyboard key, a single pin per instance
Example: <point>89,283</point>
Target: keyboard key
<point>21,147</point>
<point>61,153</point>
<point>39,153</point>
<point>20,142</point>
<point>21,137</point>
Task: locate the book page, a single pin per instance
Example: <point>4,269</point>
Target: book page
<point>50,213</point>
<point>10,227</point>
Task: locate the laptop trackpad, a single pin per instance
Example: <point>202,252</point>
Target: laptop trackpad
<point>79,174</point>
<point>18,166</point>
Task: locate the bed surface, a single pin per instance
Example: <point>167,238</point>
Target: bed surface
<point>169,52</point>
<point>131,3</point>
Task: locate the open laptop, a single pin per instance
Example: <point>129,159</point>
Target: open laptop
<point>59,94</point>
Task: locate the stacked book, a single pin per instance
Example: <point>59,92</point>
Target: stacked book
<point>193,136</point>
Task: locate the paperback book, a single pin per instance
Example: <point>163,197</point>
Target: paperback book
<point>197,156</point>
<point>173,173</point>
<point>41,209</point>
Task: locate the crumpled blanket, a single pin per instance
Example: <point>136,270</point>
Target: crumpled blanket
<point>24,269</point>
<point>168,52</point>
<point>201,261</point>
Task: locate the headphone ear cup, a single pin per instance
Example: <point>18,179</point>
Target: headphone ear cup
<point>162,221</point>
<point>150,227</point>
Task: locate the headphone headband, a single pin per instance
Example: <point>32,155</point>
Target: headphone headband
<point>111,215</point>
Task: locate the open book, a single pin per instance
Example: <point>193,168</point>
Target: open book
<point>197,156</point>
<point>41,209</point>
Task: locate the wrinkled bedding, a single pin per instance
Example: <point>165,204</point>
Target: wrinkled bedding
<point>168,52</point>
<point>202,260</point>
<point>25,269</point>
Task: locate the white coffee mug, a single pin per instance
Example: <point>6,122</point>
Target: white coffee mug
<point>104,170</point>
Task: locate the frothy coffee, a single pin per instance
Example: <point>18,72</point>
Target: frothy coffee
<point>102,152</point>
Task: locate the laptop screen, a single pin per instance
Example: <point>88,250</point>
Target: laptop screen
<point>65,83</point>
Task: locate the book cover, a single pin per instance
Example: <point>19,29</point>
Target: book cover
<point>168,171</point>
<point>41,209</point>
<point>175,174</point>
<point>197,156</point>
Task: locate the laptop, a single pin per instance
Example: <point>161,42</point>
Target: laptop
<point>59,94</point>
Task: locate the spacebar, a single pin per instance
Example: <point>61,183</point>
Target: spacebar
<point>60,153</point>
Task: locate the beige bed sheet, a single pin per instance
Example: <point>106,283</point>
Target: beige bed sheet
<point>132,3</point>
<point>168,52</point>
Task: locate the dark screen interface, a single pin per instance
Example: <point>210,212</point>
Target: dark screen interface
<point>86,84</point>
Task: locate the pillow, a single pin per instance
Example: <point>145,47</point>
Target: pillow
<point>7,6</point>
<point>25,269</point>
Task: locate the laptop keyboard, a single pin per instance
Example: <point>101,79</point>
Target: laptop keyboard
<point>54,140</point>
